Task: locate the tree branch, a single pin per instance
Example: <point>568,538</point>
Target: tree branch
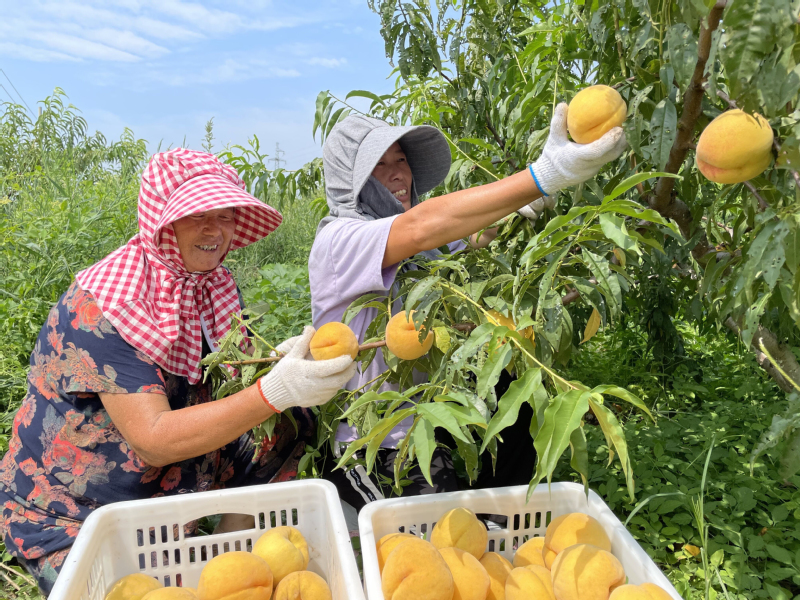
<point>781,352</point>
<point>761,202</point>
<point>663,200</point>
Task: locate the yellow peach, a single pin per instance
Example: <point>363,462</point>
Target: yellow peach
<point>235,576</point>
<point>469,576</point>
<point>533,581</point>
<point>402,338</point>
<point>302,585</point>
<point>460,528</point>
<point>585,572</point>
<point>388,543</point>
<point>498,569</point>
<point>416,571</point>
<point>570,529</point>
<point>171,593</point>
<point>132,587</point>
<point>646,591</point>
<point>734,147</point>
<point>333,340</point>
<point>594,111</point>
<point>498,318</point>
<point>284,549</point>
<point>530,553</point>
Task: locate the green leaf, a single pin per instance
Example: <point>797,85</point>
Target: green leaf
<point>580,456</point>
<point>425,444</point>
<point>365,94</point>
<point>615,230</point>
<point>634,180</point>
<point>623,394</point>
<point>439,416</point>
<point>519,391</point>
<point>615,438</point>
<point>494,365</point>
<point>561,418</point>
<point>663,128</point>
<point>682,52</point>
<point>750,30</point>
<point>606,280</point>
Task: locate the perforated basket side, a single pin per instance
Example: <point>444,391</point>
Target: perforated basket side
<point>147,536</point>
<point>518,522</point>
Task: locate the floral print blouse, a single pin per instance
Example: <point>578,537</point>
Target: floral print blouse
<point>66,458</point>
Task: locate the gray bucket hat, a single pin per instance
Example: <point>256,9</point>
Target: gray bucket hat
<point>355,146</point>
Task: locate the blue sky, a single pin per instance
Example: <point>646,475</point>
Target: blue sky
<point>164,67</point>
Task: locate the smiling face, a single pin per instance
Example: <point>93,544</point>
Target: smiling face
<point>204,238</point>
<point>394,173</point>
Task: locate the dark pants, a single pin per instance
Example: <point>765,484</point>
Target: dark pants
<point>358,488</point>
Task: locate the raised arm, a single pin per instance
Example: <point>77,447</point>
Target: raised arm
<point>457,215</point>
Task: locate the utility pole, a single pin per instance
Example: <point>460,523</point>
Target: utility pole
<point>278,160</point>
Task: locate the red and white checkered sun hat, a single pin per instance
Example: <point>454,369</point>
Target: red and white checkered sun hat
<point>144,289</point>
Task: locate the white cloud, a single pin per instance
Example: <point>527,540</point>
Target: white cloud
<point>227,71</point>
<point>330,63</point>
<point>81,48</point>
<point>132,30</point>
<point>25,52</point>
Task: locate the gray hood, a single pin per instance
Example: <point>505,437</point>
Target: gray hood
<point>353,149</point>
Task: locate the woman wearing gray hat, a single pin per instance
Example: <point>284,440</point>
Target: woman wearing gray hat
<point>374,174</point>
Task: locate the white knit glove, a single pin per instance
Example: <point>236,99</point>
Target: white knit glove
<point>298,381</point>
<point>564,163</point>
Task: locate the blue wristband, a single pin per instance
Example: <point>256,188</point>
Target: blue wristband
<point>536,181</point>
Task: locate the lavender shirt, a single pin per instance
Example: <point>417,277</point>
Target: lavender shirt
<point>344,264</point>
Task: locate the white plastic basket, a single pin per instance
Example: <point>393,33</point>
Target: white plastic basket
<point>418,515</point>
<point>146,536</point>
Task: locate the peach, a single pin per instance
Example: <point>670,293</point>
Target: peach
<point>235,576</point>
<point>133,587</point>
<point>284,549</point>
<point>734,147</point>
<point>646,591</point>
<point>469,576</point>
<point>533,581</point>
<point>460,528</point>
<point>500,319</point>
<point>416,571</point>
<point>585,572</point>
<point>171,593</point>
<point>388,543</point>
<point>302,585</point>
<point>530,553</point>
<point>402,338</point>
<point>594,111</point>
<point>570,529</point>
<point>333,340</point>
<point>498,569</point>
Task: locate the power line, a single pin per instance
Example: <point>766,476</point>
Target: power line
<point>10,97</point>
<point>278,160</point>
<point>16,90</point>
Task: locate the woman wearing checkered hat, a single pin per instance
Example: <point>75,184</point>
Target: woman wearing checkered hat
<point>116,407</point>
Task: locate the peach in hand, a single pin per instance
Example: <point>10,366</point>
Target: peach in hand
<point>593,112</point>
<point>333,340</point>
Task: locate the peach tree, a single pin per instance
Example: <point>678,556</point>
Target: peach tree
<point>649,231</point>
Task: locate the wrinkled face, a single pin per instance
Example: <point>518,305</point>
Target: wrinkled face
<point>204,238</point>
<point>394,173</point>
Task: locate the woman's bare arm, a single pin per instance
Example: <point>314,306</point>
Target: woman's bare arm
<point>161,436</point>
<point>441,220</point>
